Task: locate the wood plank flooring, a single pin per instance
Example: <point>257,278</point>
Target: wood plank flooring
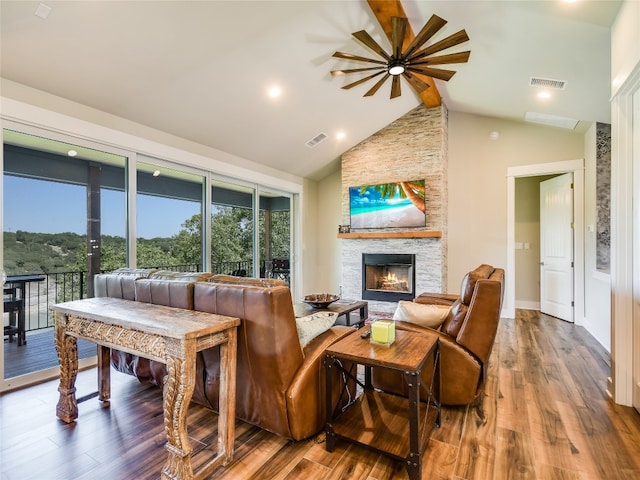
<point>547,417</point>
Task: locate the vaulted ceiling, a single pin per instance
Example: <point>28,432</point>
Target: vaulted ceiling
<point>202,70</point>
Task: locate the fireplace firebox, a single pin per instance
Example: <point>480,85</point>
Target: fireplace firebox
<point>388,277</point>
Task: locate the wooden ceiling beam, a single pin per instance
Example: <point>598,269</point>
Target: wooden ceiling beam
<point>384,10</point>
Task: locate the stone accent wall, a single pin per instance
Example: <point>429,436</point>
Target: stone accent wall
<point>413,147</point>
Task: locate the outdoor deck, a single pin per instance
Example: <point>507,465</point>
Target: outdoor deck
<point>38,354</point>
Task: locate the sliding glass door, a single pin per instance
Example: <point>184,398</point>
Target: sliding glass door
<point>72,209</point>
<point>232,229</point>
<point>169,210</point>
<point>275,235</point>
<point>63,219</point>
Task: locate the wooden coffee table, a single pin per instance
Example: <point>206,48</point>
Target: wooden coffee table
<point>397,426</point>
<point>302,309</point>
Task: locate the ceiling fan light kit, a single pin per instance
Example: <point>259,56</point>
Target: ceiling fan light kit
<point>410,63</point>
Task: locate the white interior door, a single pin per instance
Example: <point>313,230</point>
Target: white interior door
<point>556,247</point>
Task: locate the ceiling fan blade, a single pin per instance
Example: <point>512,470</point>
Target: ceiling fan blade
<point>418,85</point>
<point>398,30</point>
<point>348,56</point>
<point>362,80</point>
<point>377,86</point>
<point>450,41</point>
<point>460,57</point>
<point>355,70</point>
<point>368,40</point>
<point>430,28</point>
<point>433,72</point>
<point>395,87</point>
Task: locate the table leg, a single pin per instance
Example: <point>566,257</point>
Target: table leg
<point>66,345</point>
<point>177,393</point>
<point>330,438</point>
<point>104,373</point>
<point>364,312</point>
<point>227,397</point>
<point>414,460</point>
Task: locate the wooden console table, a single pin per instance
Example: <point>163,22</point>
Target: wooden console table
<point>388,423</point>
<point>169,335</point>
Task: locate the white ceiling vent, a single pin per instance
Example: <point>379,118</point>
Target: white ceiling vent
<point>551,120</point>
<point>316,140</point>
<point>547,83</point>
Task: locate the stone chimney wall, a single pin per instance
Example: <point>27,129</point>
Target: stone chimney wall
<point>413,147</point>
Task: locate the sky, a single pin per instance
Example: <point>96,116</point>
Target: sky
<point>50,207</point>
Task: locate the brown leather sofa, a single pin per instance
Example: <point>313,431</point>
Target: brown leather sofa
<point>280,385</point>
<point>466,338</point>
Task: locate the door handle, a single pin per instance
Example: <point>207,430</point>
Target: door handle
<point>541,264</point>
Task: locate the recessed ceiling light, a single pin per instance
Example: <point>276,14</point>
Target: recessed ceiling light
<point>544,95</point>
<point>72,153</point>
<point>156,173</point>
<point>340,135</point>
<point>43,11</point>
<point>275,92</point>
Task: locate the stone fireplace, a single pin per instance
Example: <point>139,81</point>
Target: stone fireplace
<point>412,147</point>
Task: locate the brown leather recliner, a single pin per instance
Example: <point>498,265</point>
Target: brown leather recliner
<point>466,338</point>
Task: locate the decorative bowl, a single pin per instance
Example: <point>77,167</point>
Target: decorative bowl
<point>321,300</point>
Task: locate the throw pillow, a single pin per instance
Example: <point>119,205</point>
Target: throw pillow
<point>425,315</point>
<point>310,326</point>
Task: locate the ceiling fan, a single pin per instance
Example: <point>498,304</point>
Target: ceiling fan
<point>409,63</point>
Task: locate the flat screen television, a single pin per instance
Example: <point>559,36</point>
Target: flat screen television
<point>388,205</point>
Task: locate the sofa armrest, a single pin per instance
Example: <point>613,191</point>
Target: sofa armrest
<point>305,396</point>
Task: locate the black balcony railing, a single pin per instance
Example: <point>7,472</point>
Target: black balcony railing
<point>66,286</point>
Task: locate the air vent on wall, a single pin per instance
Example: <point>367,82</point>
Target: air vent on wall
<point>316,140</point>
<point>547,82</point>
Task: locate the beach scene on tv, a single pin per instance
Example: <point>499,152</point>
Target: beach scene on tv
<point>388,205</point>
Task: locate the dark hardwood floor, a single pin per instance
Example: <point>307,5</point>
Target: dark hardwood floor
<point>547,413</point>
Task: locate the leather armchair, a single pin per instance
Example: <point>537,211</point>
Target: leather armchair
<point>466,338</point>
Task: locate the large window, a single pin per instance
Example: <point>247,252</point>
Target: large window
<point>169,212</point>
<point>63,218</point>
<point>232,231</point>
<point>275,235</point>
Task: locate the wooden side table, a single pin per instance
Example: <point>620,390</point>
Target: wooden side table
<point>391,424</point>
<point>302,309</point>
<point>169,335</point>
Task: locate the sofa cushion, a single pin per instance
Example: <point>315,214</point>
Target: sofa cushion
<point>180,276</point>
<point>430,316</point>
<point>310,326</point>
<point>258,282</point>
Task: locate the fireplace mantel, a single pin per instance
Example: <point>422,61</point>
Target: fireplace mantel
<point>398,234</point>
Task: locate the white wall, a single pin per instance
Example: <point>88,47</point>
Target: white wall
<point>329,214</point>
<point>478,184</point>
<point>625,43</point>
